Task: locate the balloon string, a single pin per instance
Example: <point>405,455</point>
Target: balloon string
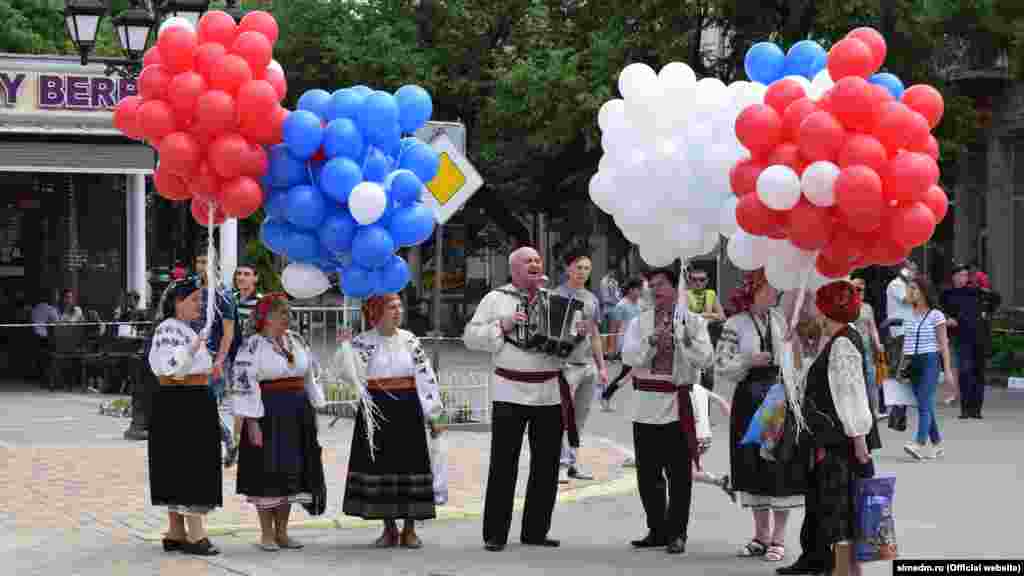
<point>210,265</point>
<point>805,278</point>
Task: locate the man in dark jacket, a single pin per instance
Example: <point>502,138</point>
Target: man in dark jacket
<point>969,309</point>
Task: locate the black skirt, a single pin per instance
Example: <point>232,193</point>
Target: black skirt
<point>833,482</point>
<point>397,483</point>
<point>184,448</point>
<point>749,472</point>
<point>290,461</point>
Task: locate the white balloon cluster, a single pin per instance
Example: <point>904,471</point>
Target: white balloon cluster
<point>668,146</point>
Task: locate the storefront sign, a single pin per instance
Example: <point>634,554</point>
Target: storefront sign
<point>31,91</point>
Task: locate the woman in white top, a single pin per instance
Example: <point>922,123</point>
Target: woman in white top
<point>184,428</point>
<point>389,472</point>
<point>925,343</point>
<point>274,391</point>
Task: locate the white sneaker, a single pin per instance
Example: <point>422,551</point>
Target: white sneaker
<point>914,449</point>
<point>563,474</point>
<point>606,406</point>
<point>938,451</point>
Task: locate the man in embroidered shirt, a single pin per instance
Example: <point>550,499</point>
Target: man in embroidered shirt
<point>526,395</point>
<point>667,347</point>
<point>585,365</point>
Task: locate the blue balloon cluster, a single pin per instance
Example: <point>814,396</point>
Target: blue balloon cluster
<point>890,82</point>
<point>765,62</point>
<point>334,143</point>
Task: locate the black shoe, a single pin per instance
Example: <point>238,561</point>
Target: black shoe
<point>649,541</point>
<point>201,548</point>
<point>543,542</point>
<point>677,546</point>
<point>173,545</point>
<point>494,546</point>
<point>801,566</point>
<point>977,416</point>
<point>964,416</point>
<point>232,456</point>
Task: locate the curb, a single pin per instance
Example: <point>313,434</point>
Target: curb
<point>624,484</point>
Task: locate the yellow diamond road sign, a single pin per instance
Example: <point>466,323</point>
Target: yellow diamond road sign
<point>455,183</point>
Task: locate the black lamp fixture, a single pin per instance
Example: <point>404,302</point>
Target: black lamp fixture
<point>235,11</point>
<point>82,22</point>
<point>190,10</point>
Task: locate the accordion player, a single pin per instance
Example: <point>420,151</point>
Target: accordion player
<point>552,324</point>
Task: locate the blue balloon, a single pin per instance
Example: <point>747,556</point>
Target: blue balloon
<point>316,169</point>
<point>274,233</point>
<point>802,59</point>
<point>266,182</point>
<point>414,107</point>
<point>339,177</point>
<point>380,112</point>
<point>386,138</point>
<point>357,282</point>
<point>285,169</point>
<point>372,246</point>
<point>764,63</point>
<point>276,205</point>
<point>302,246</point>
<point>890,82</point>
<point>306,207</point>
<point>408,142</point>
<point>363,91</point>
<point>342,138</point>
<point>819,64</point>
<point>423,160</point>
<point>376,167</point>
<point>403,186</point>
<point>345,103</point>
<point>394,275</point>
<point>315,101</point>
<point>412,225</point>
<point>337,231</point>
<point>303,133</point>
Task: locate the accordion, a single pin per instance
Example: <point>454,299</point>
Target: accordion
<point>552,325</point>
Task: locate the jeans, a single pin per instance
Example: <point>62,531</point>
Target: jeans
<point>583,382</point>
<point>925,372</point>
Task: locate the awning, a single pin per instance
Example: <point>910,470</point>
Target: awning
<point>76,157</point>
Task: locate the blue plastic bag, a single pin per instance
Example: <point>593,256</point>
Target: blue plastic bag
<point>767,425</point>
<point>876,521</point>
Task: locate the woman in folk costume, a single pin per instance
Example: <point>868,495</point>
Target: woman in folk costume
<point>279,459</point>
<point>389,471</point>
<point>750,357</point>
<point>184,429</point>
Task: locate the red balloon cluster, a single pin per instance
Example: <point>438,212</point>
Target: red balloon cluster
<point>885,200</point>
<point>209,101</point>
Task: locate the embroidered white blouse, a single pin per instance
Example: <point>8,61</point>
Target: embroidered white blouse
<point>171,351</point>
<point>846,382</point>
<point>258,360</point>
<point>376,356</point>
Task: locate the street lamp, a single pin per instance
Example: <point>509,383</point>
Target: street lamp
<point>82,19</point>
<point>235,11</point>
<point>190,10</point>
<point>133,27</point>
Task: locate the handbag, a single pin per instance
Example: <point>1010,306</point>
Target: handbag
<point>876,523</point>
<point>881,367</point>
<point>905,369</point>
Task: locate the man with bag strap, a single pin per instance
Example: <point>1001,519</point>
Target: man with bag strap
<point>667,348</point>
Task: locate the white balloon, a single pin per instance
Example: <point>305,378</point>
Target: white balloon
<point>711,94</point>
<point>778,187</point>
<point>678,79</point>
<point>710,241</point>
<point>616,107</point>
<point>822,83</point>
<point>636,79</point>
<point>367,202</point>
<point>741,251</point>
<point>780,277</point>
<point>727,221</point>
<point>657,254</point>
<point>275,65</point>
<point>818,183</point>
<point>175,21</point>
<point>304,280</point>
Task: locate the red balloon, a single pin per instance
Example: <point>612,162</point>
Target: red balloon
<point>201,211</point>
<point>242,197</point>
<point>230,72</point>
<point>887,252</point>
<point>151,57</point>
<point>850,57</point>
<point>787,154</point>
<point>207,56</point>
<point>757,219</point>
<point>319,155</point>
<point>936,201</point>
<point>809,226</point>
<point>743,176</point>
<point>821,136</point>
<point>852,103</point>
<point>795,114</point>
<point>254,161</point>
<point>929,146</point>
<point>183,93</point>
<point>879,94</point>
<point>156,120</point>
<point>895,127</point>
<point>169,185</point>
<point>126,118</point>
<point>278,81</point>
<point>875,43</point>
<point>254,48</point>
<point>759,129</point>
<point>908,176</point>
<point>926,101</point>
<point>256,100</point>
<point>830,268</point>
<point>825,102</point>
<point>177,45</point>
<point>864,150</point>
<point>218,27</point>
<point>783,93</point>
<point>180,153</point>
<point>153,82</point>
<point>215,112</point>
<point>858,191</point>
<point>262,22</point>
<point>226,154</point>
<point>916,224</point>
<point>206,186</point>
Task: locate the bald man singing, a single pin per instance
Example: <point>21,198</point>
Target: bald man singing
<point>526,398</point>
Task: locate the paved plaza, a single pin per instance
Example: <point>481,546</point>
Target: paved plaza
<point>75,502</point>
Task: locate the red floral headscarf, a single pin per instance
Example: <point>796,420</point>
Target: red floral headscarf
<point>839,301</point>
<point>373,307</point>
<point>264,306</point>
<point>742,298</point>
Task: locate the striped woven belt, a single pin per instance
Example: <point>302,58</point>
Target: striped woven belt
<point>686,418</point>
<point>189,380</point>
<point>391,384</point>
<point>535,377</point>
<point>293,384</point>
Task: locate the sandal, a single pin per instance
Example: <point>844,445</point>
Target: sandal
<point>172,545</point>
<point>411,540</point>
<point>201,548</point>
<point>775,553</point>
<point>752,549</point>
<point>725,485</point>
<point>388,539</point>
<point>290,544</point>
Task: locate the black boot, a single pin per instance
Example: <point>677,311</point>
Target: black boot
<point>803,565</point>
<point>652,540</point>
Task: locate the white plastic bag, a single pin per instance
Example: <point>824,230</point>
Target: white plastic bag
<point>439,467</point>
